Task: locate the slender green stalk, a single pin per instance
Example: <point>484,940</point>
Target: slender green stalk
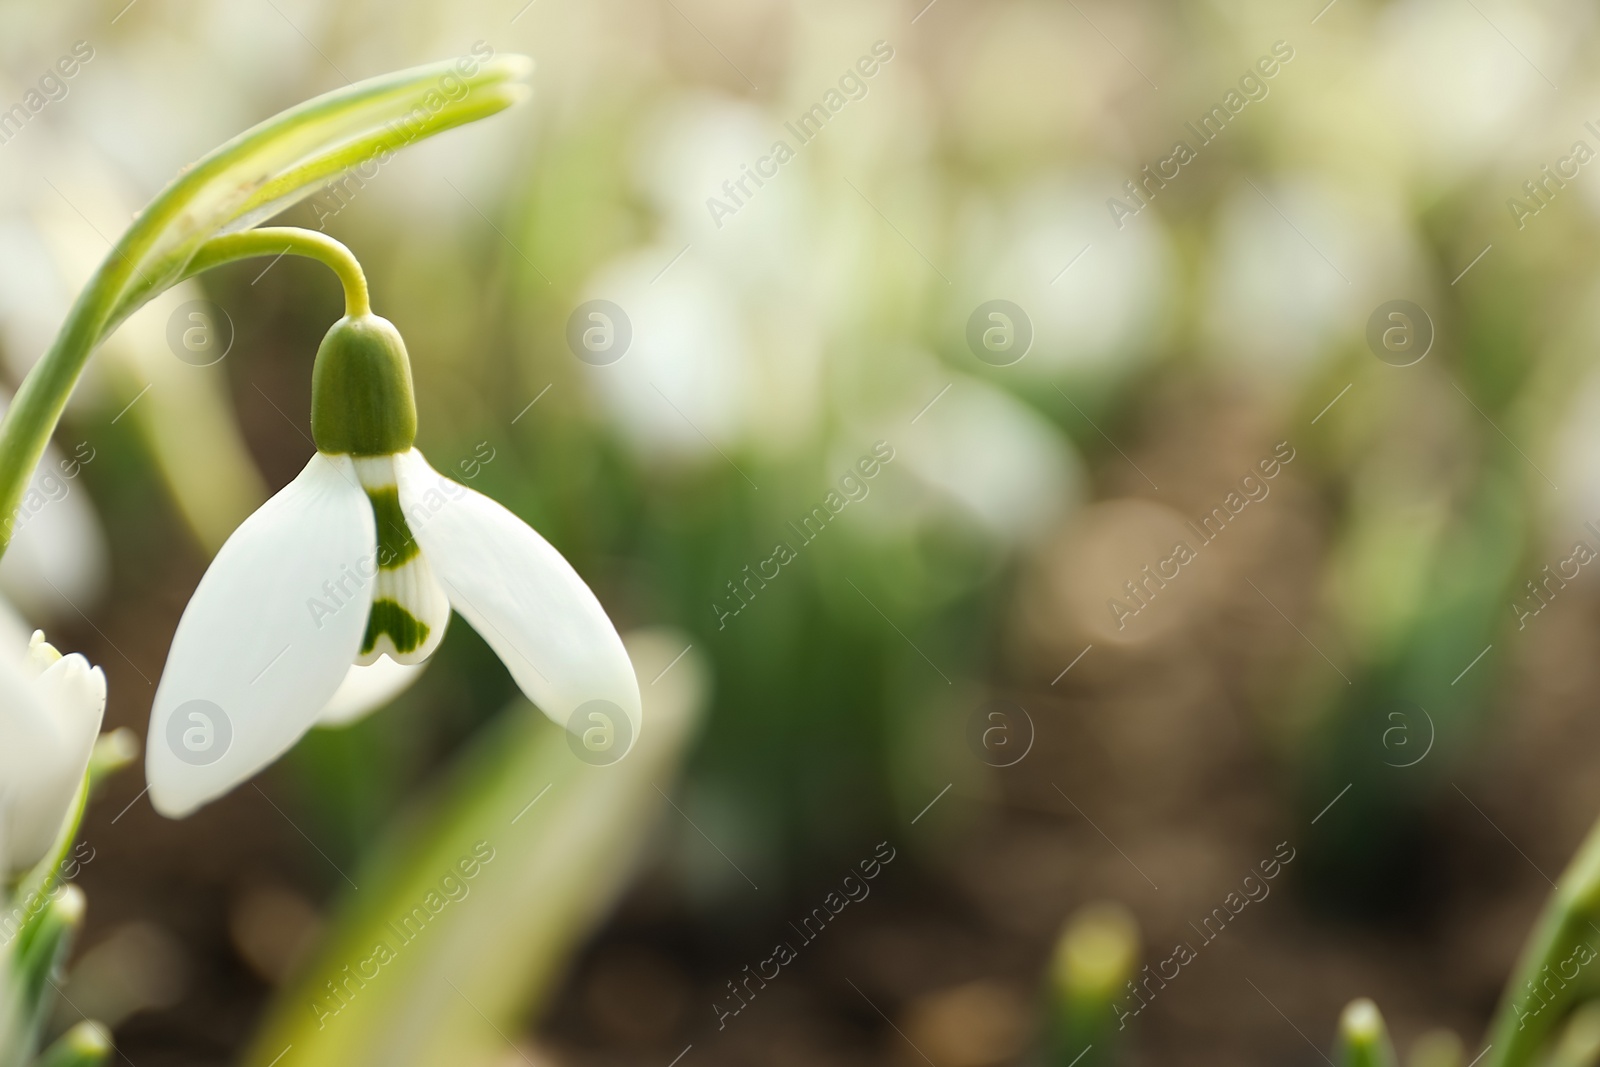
<point>257,174</point>
<point>290,241</point>
<point>50,911</point>
<point>111,753</point>
<point>37,968</point>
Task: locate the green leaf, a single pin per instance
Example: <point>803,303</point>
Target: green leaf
<point>238,185</point>
<point>1538,996</point>
<point>279,162</point>
<point>42,882</point>
<point>38,963</point>
<point>1579,1044</point>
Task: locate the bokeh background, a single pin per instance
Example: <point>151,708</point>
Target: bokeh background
<point>1363,662</point>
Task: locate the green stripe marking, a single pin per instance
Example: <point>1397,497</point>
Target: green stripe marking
<point>396,546</point>
<point>403,628</point>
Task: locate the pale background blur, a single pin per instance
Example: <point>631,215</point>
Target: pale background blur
<point>1174,349</point>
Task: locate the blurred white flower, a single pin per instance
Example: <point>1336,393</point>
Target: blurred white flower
<point>50,711</point>
<point>681,385</point>
<point>1292,275</point>
<point>1466,77</point>
<point>34,298</point>
<point>989,456</point>
<point>693,145</point>
<point>727,312</point>
<point>1098,297</point>
<point>57,561</point>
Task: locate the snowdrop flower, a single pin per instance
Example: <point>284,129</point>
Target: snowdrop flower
<point>1102,317</point>
<point>50,711</point>
<point>360,557</point>
<point>1276,305</point>
<point>998,460</point>
<point>688,346</point>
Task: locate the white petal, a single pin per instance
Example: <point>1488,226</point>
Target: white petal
<point>366,689</point>
<point>520,595</point>
<point>74,694</point>
<point>48,723</point>
<point>410,586</point>
<point>265,641</point>
<point>29,765</point>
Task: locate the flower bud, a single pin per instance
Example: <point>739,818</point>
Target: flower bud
<point>50,711</point>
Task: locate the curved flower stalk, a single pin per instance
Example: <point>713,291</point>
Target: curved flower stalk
<point>50,756</point>
<point>254,176</point>
<point>206,218</point>
<point>363,556</point>
<point>466,915</point>
<point>185,419</point>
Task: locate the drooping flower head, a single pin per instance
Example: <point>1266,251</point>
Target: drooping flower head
<point>363,556</point>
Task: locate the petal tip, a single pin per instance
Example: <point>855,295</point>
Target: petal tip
<point>171,800</point>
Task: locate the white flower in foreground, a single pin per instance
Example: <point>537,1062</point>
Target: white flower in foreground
<point>363,556</point>
<point>50,711</point>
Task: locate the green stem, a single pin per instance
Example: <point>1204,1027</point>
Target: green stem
<point>1532,1009</point>
<point>44,392</point>
<point>248,179</point>
<point>287,240</point>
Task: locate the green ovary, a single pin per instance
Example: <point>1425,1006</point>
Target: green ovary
<point>361,394</point>
<point>403,628</point>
